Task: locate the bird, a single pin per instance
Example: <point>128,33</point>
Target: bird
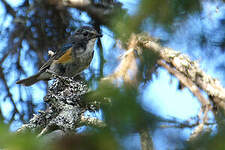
<point>74,56</point>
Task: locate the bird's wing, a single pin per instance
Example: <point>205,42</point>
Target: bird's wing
<point>60,56</point>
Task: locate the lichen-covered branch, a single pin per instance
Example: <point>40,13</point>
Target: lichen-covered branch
<point>183,64</point>
<point>65,108</point>
<point>196,92</point>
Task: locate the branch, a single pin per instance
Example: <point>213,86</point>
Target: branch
<point>9,9</point>
<point>186,82</point>
<point>127,71</point>
<point>146,140</point>
<point>187,72</point>
<point>195,90</point>
<point>188,68</point>
<point>92,121</point>
<point>198,130</point>
<point>65,111</point>
<point>101,12</point>
<point>128,64</point>
<point>185,124</point>
<point>180,65</point>
<point>9,94</point>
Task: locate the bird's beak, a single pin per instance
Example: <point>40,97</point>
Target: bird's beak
<point>98,35</point>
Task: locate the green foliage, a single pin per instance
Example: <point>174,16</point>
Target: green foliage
<point>12,141</point>
<point>100,140</point>
<point>166,12</point>
<point>40,26</point>
<point>124,114</point>
<point>162,12</point>
<point>211,139</point>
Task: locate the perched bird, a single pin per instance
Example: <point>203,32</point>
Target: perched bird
<point>72,59</point>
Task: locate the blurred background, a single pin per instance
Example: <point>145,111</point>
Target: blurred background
<point>29,28</point>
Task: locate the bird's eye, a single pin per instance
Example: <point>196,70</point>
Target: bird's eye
<point>85,33</point>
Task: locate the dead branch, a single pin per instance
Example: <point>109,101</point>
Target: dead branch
<point>182,67</point>
<point>98,11</point>
<point>199,129</point>
<point>127,69</point>
<point>146,140</point>
<point>188,68</point>
<point>173,123</point>
<point>186,82</point>
<point>185,70</point>
<point>196,92</point>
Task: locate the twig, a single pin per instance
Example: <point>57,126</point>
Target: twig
<point>186,82</point>
<point>43,132</point>
<point>9,94</point>
<point>185,125</point>
<point>9,9</point>
<point>198,130</point>
<point>92,121</point>
<point>146,140</point>
<point>101,53</point>
<point>127,69</point>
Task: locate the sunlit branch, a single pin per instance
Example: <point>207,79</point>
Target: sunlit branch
<point>128,64</point>
<point>92,121</point>
<point>186,82</point>
<point>198,130</point>
<point>188,68</point>
<point>186,71</point>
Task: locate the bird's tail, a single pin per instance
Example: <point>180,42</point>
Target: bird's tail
<point>30,80</point>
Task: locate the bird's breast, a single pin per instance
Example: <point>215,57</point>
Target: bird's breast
<point>90,45</point>
<point>75,60</point>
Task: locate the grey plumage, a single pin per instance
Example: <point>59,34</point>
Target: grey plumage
<point>72,59</point>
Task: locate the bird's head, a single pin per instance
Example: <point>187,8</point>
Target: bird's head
<point>86,33</point>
